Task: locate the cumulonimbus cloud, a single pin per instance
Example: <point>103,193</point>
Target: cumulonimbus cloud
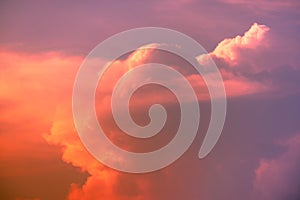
<point>49,78</point>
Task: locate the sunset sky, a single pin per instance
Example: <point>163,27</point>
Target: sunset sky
<point>254,43</point>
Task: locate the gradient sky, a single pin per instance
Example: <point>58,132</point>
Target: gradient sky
<point>255,44</point>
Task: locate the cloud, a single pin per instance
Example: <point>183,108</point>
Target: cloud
<point>250,65</point>
<point>36,91</point>
<point>229,49</point>
<point>278,178</point>
<point>31,85</point>
<point>236,58</point>
<point>102,182</point>
<point>29,93</point>
<point>229,53</point>
<point>49,78</point>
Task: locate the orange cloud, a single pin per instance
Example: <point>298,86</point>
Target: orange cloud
<point>102,180</point>
<point>30,94</point>
<point>31,87</point>
<point>38,89</point>
<point>140,56</point>
<point>37,92</point>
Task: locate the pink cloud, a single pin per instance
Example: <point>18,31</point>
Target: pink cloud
<point>278,178</point>
<point>229,48</point>
<point>41,85</point>
<point>239,54</point>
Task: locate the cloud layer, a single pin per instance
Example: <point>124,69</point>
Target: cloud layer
<point>278,178</point>
<point>37,89</point>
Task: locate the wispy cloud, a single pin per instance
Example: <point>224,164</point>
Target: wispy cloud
<point>278,178</point>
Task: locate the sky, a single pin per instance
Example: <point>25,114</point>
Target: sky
<point>255,47</point>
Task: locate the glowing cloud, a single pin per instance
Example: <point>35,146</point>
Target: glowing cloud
<point>31,85</point>
<point>238,54</point>
<point>229,48</point>
<point>34,75</point>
